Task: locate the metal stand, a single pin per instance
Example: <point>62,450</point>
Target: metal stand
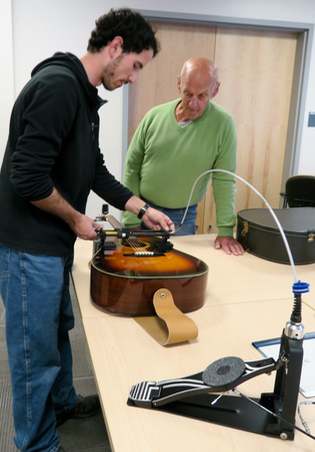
<point>239,413</point>
<point>193,396</point>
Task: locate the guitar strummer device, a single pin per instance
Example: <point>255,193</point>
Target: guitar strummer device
<point>121,232</point>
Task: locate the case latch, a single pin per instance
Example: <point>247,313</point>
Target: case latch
<point>245,229</point>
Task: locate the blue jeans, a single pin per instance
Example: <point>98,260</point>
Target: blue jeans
<point>176,215</point>
<point>35,292</point>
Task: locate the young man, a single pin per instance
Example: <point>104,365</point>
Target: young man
<point>178,141</point>
<point>52,161</point>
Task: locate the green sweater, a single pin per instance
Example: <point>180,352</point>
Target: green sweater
<point>164,160</point>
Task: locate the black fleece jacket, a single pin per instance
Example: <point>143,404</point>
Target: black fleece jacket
<point>53,142</point>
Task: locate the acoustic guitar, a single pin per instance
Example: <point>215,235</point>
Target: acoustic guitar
<point>125,274</point>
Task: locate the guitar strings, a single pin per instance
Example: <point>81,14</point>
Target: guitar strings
<point>136,245</point>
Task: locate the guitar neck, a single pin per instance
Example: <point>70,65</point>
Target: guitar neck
<point>114,223</point>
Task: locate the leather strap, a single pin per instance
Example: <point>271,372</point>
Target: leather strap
<point>170,325</point>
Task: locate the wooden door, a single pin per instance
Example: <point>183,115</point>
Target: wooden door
<point>158,82</point>
<point>255,71</point>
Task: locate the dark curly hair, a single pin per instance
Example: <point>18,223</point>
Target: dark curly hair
<point>135,30</point>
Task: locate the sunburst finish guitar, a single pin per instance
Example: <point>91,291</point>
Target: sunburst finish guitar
<point>125,274</point>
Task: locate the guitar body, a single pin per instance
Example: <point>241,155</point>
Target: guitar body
<point>126,274</point>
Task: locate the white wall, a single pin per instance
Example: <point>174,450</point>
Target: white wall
<point>6,72</point>
<point>42,27</point>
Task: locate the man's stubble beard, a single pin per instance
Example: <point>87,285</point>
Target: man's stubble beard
<point>109,73</point>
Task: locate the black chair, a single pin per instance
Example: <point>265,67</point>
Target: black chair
<point>299,191</point>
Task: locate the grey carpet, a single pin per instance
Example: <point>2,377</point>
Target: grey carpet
<point>87,435</point>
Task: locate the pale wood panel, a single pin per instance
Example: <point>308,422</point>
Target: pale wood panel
<point>255,71</point>
<point>158,83</point>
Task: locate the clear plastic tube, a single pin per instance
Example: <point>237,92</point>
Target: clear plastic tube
<point>265,201</point>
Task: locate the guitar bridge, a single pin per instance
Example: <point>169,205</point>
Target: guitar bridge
<point>144,254</point>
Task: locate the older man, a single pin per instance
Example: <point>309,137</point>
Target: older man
<point>175,143</point>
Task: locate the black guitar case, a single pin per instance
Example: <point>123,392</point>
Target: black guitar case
<point>259,234</point>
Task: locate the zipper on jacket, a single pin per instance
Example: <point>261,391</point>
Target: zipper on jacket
<point>94,129</point>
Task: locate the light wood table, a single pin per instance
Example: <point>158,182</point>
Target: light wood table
<point>248,299</point>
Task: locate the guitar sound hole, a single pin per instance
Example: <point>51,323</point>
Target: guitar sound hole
<point>128,243</point>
